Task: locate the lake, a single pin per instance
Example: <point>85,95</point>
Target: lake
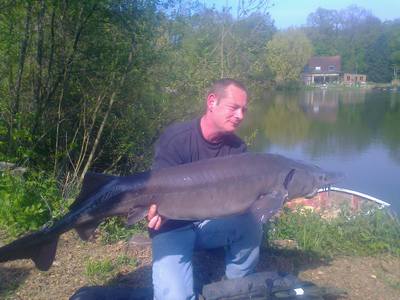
<point>353,131</point>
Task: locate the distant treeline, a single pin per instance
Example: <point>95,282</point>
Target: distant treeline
<point>366,44</point>
<point>90,84</point>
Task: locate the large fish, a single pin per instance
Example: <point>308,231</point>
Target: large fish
<point>206,189</point>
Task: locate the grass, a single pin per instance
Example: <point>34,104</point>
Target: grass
<point>114,230</point>
<point>365,234</point>
<point>391,282</point>
<point>8,291</point>
<point>100,271</point>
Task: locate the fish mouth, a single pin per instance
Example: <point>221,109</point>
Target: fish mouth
<point>318,190</point>
<point>329,179</point>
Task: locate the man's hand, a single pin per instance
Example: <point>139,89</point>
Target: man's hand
<point>155,220</point>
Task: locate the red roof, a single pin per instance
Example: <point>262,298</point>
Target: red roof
<point>324,64</point>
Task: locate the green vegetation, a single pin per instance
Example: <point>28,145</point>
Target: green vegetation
<point>101,271</point>
<point>8,291</point>
<point>98,271</point>
<point>27,202</point>
<point>114,230</point>
<point>366,44</point>
<point>364,234</point>
<point>393,283</point>
<point>90,85</point>
<point>287,54</point>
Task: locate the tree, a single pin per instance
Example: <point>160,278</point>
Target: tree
<point>378,61</point>
<point>287,54</point>
<point>349,33</point>
<point>69,69</point>
<point>90,84</point>
<point>323,27</point>
<point>393,33</point>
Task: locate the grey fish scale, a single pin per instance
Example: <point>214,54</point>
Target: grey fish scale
<point>238,185</point>
<point>237,198</point>
<point>205,172</point>
<point>172,188</point>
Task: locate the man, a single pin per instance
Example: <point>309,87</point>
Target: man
<point>173,242</point>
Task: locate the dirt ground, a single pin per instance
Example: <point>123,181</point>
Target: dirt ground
<point>360,277</point>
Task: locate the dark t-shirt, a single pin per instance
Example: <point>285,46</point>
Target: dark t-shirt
<point>184,143</point>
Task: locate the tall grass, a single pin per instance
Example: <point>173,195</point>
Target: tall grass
<point>365,234</point>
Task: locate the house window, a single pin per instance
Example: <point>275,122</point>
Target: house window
<point>348,78</point>
<point>331,68</point>
<point>361,78</point>
<point>317,68</point>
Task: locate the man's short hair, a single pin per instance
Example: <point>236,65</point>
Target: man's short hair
<point>219,86</point>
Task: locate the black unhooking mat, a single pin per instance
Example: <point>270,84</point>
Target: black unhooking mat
<point>257,286</point>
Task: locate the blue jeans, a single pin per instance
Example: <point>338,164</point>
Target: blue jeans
<point>173,251</point>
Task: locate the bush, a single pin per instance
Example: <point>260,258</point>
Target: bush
<point>27,202</point>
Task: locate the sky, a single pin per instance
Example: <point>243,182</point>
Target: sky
<point>288,13</point>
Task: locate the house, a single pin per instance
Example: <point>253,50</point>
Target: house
<point>322,69</point>
<point>354,79</point>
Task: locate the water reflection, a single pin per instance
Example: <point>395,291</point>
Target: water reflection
<point>351,131</point>
<point>320,105</point>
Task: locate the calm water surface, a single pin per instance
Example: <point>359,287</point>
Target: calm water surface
<point>356,132</point>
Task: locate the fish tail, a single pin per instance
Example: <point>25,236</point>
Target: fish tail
<point>43,255</point>
<point>31,247</point>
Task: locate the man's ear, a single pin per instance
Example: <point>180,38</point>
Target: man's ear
<point>211,101</point>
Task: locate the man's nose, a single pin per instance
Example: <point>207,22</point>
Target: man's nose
<point>239,114</point>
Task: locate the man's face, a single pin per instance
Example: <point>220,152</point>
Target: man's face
<point>230,109</point>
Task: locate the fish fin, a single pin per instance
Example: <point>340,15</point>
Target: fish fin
<point>267,205</point>
<point>91,183</point>
<point>135,215</point>
<point>43,255</point>
<point>85,231</point>
<point>288,178</point>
